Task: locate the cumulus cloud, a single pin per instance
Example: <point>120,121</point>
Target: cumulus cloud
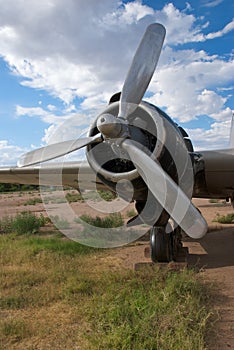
<point>10,153</point>
<point>39,112</point>
<point>82,49</point>
<point>68,125</point>
<point>187,86</point>
<point>217,137</point>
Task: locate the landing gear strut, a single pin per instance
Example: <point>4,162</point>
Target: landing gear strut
<point>164,246</point>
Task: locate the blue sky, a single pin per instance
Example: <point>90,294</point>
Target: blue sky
<point>62,61</point>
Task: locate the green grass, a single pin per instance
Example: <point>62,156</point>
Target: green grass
<point>60,223</point>
<point>111,220</point>
<point>59,294</point>
<point>33,201</point>
<point>74,197</point>
<point>16,329</point>
<point>163,312</point>
<point>23,223</point>
<point>225,219</point>
<point>131,213</point>
<point>107,195</point>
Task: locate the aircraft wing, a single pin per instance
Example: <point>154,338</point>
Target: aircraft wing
<point>73,174</point>
<point>218,179</point>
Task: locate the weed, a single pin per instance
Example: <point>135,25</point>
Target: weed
<point>6,224</point>
<point>60,223</point>
<point>57,245</point>
<point>33,201</point>
<point>27,223</point>
<point>16,329</point>
<point>131,213</point>
<point>23,223</point>
<point>142,311</point>
<point>107,195</point>
<point>112,220</point>
<point>218,202</point>
<point>79,286</point>
<point>214,201</point>
<point>63,295</point>
<point>74,197</point>
<point>225,219</point>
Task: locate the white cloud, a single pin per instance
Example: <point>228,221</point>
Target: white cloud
<point>9,154</point>
<point>187,86</point>
<point>228,28</point>
<point>39,112</point>
<point>129,13</point>
<point>63,127</point>
<point>217,137</point>
<point>51,107</point>
<point>209,102</point>
<point>83,49</point>
<point>211,3</point>
<point>69,129</point>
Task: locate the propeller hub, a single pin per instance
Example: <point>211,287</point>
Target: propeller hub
<point>112,127</point>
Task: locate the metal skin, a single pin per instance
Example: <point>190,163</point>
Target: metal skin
<point>142,69</point>
<point>55,150</point>
<point>144,130</point>
<point>147,174</point>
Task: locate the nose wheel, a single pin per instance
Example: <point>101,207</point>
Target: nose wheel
<point>164,246</point>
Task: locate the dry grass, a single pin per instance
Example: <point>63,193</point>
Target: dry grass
<point>57,294</point>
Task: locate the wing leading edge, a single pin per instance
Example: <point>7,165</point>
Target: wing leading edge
<point>74,174</point>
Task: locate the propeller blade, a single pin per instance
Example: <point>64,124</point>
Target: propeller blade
<point>142,69</point>
<point>56,150</point>
<point>167,192</point>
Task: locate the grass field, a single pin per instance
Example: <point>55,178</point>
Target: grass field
<point>57,294</point>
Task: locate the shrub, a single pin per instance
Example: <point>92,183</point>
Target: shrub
<point>107,195</point>
<point>23,223</point>
<point>6,224</point>
<point>112,220</point>
<point>33,201</point>
<point>131,213</point>
<point>27,223</point>
<point>212,200</point>
<point>73,197</point>
<point>60,223</point>
<point>225,219</point>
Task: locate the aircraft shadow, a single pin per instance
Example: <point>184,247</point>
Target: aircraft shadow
<point>214,250</point>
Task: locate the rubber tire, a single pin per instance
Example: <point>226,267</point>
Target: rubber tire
<point>159,245</point>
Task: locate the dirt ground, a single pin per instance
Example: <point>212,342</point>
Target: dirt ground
<point>213,255</point>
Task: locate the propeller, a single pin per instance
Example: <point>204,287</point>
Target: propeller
<point>56,150</point>
<point>142,69</point>
<point>166,191</point>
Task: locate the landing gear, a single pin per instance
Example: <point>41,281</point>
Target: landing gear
<point>232,200</point>
<point>164,246</point>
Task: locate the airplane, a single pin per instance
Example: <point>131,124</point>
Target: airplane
<point>136,144</point>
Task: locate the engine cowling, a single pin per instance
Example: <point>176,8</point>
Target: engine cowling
<point>152,129</point>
